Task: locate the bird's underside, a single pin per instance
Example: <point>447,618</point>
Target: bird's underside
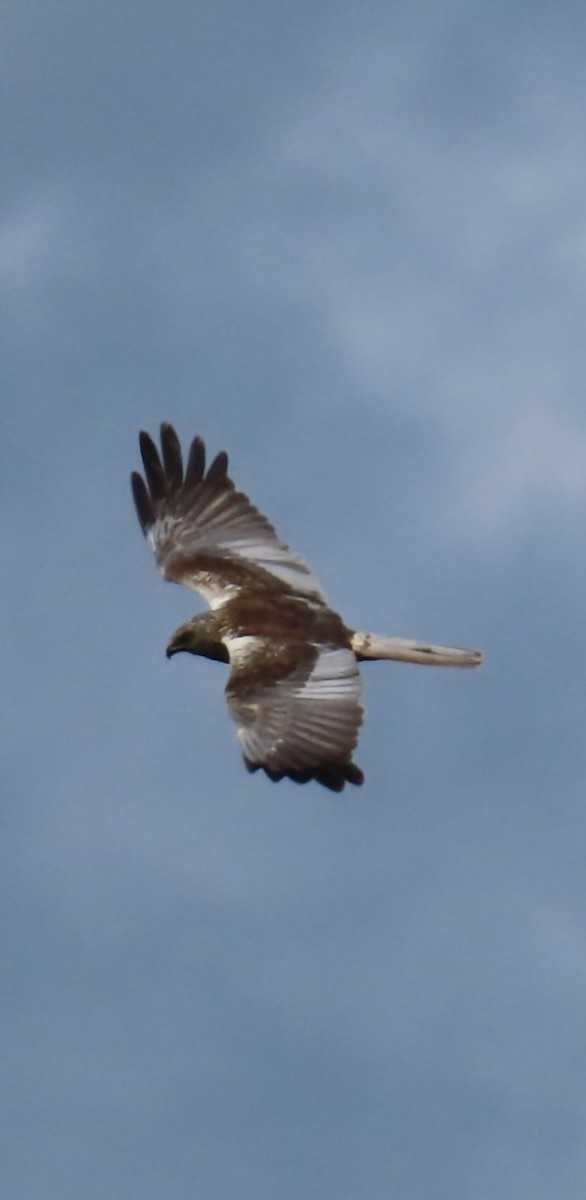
<point>294,686</point>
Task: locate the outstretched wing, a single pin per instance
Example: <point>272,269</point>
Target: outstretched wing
<point>204,533</point>
<point>298,710</point>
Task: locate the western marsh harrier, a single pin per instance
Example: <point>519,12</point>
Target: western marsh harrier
<point>294,686</point>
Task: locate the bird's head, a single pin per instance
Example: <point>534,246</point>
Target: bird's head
<point>200,636</point>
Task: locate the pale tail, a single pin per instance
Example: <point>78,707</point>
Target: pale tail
<point>374,645</point>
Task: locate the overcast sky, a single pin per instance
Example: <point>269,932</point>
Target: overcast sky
<point>347,243</point>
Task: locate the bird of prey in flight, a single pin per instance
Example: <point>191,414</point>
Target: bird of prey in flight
<point>294,685</point>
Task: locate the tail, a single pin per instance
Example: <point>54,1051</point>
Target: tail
<point>374,645</point>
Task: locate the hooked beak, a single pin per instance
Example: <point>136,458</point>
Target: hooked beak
<point>173,648</point>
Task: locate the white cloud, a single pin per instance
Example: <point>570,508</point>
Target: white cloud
<point>33,240</point>
<point>40,251</point>
<point>449,286</point>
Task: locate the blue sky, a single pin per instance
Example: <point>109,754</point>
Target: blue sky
<point>347,244</point>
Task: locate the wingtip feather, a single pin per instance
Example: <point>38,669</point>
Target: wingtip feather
<point>142,501</point>
<point>218,468</point>
<point>153,466</point>
<point>172,457</point>
<point>196,462</point>
<point>333,776</point>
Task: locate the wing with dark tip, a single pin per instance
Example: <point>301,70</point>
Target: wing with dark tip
<point>204,533</point>
<point>298,710</point>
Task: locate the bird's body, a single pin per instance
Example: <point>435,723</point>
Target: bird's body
<point>294,688</point>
